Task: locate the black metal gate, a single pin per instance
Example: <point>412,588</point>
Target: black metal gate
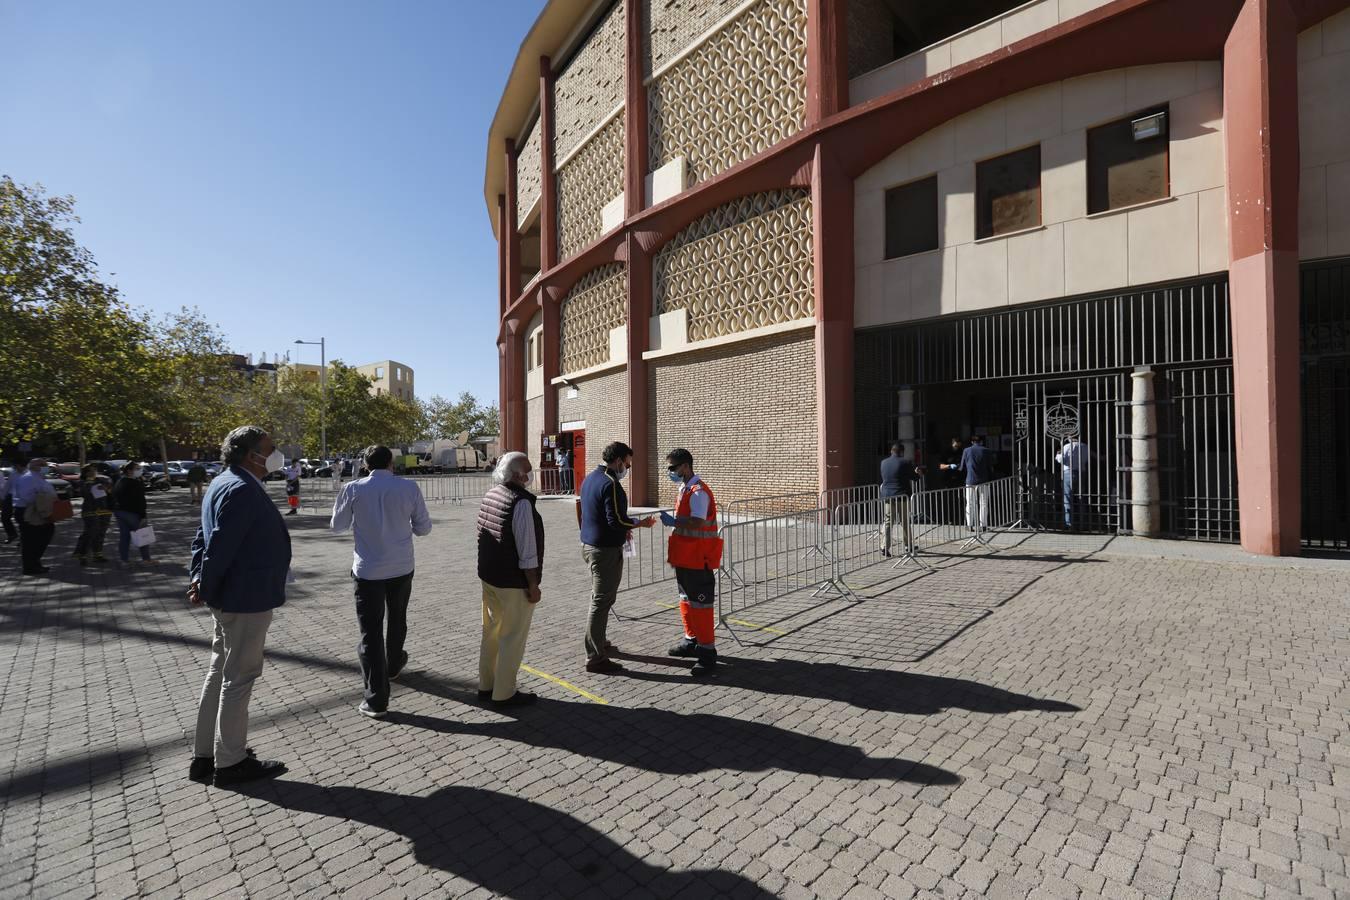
<point>1068,427</point>
<point>1325,339</point>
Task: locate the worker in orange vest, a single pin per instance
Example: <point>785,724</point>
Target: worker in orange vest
<point>695,552</point>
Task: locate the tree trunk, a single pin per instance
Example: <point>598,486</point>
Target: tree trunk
<point>79,440</point>
<point>164,454</point>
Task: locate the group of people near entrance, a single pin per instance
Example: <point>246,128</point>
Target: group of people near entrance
<point>241,559</point>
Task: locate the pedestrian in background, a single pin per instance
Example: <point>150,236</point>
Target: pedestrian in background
<point>1072,458</point>
<point>694,551</point>
<point>240,559</point>
<point>128,500</point>
<point>605,525</point>
<point>383,512</point>
<point>336,474</point>
<point>196,479</point>
<point>511,569</point>
<point>898,475</point>
<point>977,463</point>
<point>293,487</point>
<point>564,471</point>
<point>33,501</point>
<point>95,515</point>
<point>7,505</point>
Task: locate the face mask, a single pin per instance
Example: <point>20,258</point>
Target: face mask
<point>529,478</point>
<point>275,460</point>
<point>674,476</point>
<point>621,474</point>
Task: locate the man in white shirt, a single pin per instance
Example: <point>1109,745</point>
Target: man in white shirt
<point>337,475</point>
<point>1072,457</point>
<point>383,512</point>
<point>31,489</point>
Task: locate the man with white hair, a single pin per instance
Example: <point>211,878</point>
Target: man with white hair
<point>510,566</point>
<point>33,499</point>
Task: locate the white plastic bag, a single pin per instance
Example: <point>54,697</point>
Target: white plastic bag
<point>143,536</point>
<point>629,547</point>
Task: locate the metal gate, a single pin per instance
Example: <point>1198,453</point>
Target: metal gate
<point>1325,340</point>
<point>1068,424</point>
<point>1197,454</point>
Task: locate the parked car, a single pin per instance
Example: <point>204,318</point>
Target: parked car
<point>62,487</point>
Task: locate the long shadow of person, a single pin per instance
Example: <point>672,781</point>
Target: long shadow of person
<point>877,689</point>
<point>510,846</point>
<point>658,740</point>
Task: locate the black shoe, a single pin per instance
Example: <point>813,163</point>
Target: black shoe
<point>485,695</point>
<point>251,769</point>
<point>611,650</point>
<point>366,709</point>
<point>519,698</point>
<point>686,647</point>
<point>291,513</point>
<point>602,665</point>
<point>395,671</point>
<point>707,662</point>
<point>203,767</point>
<point>41,570</point>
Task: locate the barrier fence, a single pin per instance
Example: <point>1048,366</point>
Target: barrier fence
<point>318,494</point>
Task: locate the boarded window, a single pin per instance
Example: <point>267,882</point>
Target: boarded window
<point>1123,171</point>
<point>912,218</point>
<point>1008,193</point>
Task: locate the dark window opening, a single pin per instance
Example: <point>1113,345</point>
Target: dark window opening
<point>1008,193</point>
<point>880,31</point>
<point>1127,163</point>
<point>912,218</point>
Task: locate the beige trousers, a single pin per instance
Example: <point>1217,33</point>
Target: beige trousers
<point>506,625</point>
<point>236,662</point>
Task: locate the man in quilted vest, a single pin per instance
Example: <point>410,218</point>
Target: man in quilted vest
<point>695,552</point>
<point>510,566</point>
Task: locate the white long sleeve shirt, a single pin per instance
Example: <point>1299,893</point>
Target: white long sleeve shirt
<point>522,528</point>
<point>384,512</point>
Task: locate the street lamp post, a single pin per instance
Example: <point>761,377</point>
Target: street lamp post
<point>323,387</point>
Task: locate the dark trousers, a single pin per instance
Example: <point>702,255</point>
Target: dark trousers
<point>7,517</point>
<point>35,540</point>
<point>374,650</point>
<point>606,565</point>
<point>91,538</point>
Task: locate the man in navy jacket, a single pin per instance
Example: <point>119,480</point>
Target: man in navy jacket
<point>241,557</point>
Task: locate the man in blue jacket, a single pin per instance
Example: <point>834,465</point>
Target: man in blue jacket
<point>241,557</point>
<point>605,524</point>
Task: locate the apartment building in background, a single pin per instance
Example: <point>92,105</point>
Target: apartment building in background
<point>784,233</point>
<point>389,377</point>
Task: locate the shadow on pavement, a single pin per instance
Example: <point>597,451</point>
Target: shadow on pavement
<point>657,740</point>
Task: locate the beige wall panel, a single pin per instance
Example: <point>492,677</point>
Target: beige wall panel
<point>981,275</point>
<point>895,290</point>
<point>981,133</point>
<point>1094,99</point>
<point>602,403</point>
<point>1212,206</point>
<point>1164,241</point>
<point>1068,9</point>
<point>1336,33</point>
<point>1029,20</point>
<point>1196,161</point>
<point>932,151</point>
<point>869,228</point>
<point>1096,256</point>
<point>1324,110</point>
<point>534,427</point>
<point>1064,177</point>
<point>977,42</point>
<point>1312,212</point>
<point>932,283</point>
<point>868,307</point>
<point>1034,115</point>
<point>1036,265</point>
<point>956,205</point>
<point>1147,85</point>
<point>746,411</point>
<point>891,171</point>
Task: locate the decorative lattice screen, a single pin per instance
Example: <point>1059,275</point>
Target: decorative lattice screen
<point>528,174</point>
<point>589,180</point>
<point>590,310</point>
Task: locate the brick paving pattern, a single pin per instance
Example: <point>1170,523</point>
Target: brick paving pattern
<point>1041,722</point>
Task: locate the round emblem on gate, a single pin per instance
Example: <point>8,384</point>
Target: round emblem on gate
<point>1061,421</point>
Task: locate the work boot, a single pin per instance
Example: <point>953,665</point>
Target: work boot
<point>707,661</point>
<point>686,647</point>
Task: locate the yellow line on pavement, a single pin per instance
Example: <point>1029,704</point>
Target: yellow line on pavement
<point>758,627</point>
<point>571,687</point>
<point>667,605</point>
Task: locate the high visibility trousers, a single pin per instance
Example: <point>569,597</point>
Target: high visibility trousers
<point>698,596</point>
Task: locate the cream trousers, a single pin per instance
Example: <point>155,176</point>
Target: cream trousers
<point>506,625</point>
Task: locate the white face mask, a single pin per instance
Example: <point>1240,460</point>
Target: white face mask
<point>528,479</point>
<point>621,474</point>
<point>274,462</point>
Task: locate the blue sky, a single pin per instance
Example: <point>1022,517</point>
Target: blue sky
<point>294,169</point>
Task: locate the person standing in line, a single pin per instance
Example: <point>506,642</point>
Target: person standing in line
<point>240,560</point>
<point>383,512</point>
<point>33,500</point>
<point>336,473</point>
<point>196,479</point>
<point>564,471</point>
<point>95,515</point>
<point>511,568</point>
<point>898,476</point>
<point>977,462</point>
<point>7,505</point>
<point>605,525</point>
<point>128,497</point>
<point>695,552</point>
<point>1072,459</point>
<point>293,487</point>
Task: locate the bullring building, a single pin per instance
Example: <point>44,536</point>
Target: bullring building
<point>783,233</point>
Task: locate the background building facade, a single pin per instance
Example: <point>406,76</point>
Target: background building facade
<point>389,377</point>
<point>784,233</point>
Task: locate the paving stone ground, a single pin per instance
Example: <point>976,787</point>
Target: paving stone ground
<point>1046,721</point>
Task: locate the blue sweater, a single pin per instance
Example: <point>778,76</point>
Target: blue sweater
<point>604,510</point>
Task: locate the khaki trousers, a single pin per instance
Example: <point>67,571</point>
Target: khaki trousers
<point>506,626</point>
<point>236,662</point>
<point>896,508</point>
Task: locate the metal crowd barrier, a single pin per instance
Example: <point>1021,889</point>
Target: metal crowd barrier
<point>318,494</point>
<point>764,559</point>
<point>647,566</point>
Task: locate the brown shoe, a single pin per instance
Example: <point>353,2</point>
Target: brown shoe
<point>602,665</point>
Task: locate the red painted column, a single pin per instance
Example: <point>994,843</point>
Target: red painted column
<point>832,246</point>
<point>639,322</point>
<point>548,188</point>
<point>513,413</point>
<point>503,394</point>
<point>1260,98</point>
<point>826,59</point>
<point>503,297</point>
<point>636,158</point>
<point>552,336</point>
<point>511,234</point>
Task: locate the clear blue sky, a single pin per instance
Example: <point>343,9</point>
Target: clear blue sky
<point>294,169</point>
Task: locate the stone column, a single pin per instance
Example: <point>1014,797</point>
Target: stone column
<point>513,413</point>
<point>511,234</point>
<point>639,323</point>
<point>1260,130</point>
<point>832,246</point>
<point>636,150</point>
<point>826,59</point>
<point>548,188</point>
<point>551,310</point>
<point>1145,498</point>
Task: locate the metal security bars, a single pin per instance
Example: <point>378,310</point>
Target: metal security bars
<point>1325,368</point>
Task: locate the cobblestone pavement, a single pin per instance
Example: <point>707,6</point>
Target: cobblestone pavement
<point>1041,722</point>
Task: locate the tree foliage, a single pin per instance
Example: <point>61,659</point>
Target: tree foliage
<point>446,419</point>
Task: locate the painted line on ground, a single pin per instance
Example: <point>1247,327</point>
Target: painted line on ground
<point>756,627</point>
<point>567,684</point>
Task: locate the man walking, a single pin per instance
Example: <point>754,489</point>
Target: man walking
<point>898,475</point>
<point>33,500</point>
<point>240,559</point>
<point>337,474</point>
<point>977,462</point>
<point>695,552</point>
<point>510,567</point>
<point>196,479</point>
<point>1072,458</point>
<point>383,512</point>
<point>604,529</point>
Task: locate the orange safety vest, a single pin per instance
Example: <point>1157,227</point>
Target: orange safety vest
<point>694,547</point>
